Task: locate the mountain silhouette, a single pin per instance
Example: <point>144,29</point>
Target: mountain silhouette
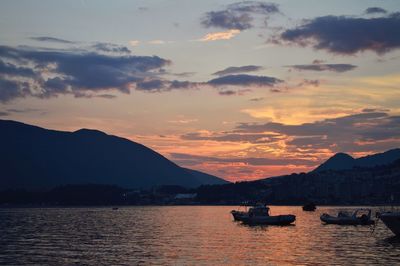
<point>206,178</point>
<point>343,161</point>
<point>35,158</point>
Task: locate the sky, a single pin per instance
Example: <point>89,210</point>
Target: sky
<point>239,89</point>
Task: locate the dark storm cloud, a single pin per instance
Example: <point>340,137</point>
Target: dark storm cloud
<point>375,10</point>
<point>72,72</point>
<point>237,70</point>
<point>238,15</point>
<point>51,39</point>
<point>324,67</point>
<point>244,80</point>
<point>348,35</point>
<point>111,48</point>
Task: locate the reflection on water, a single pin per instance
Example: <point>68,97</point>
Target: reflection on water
<point>184,235</point>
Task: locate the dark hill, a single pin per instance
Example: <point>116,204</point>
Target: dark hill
<point>339,161</point>
<point>206,178</point>
<point>343,161</point>
<point>33,157</point>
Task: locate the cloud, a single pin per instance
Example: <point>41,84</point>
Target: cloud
<point>158,42</point>
<point>111,48</point>
<point>159,85</point>
<point>373,110</point>
<point>359,132</point>
<point>106,96</point>
<point>223,35</point>
<point>46,73</point>
<point>134,42</point>
<point>238,15</point>
<point>190,159</point>
<point>244,80</point>
<point>10,89</point>
<point>13,70</point>
<point>227,92</point>
<point>256,99</point>
<point>375,10</point>
<point>237,70</point>
<point>233,137</point>
<point>183,74</point>
<point>155,84</point>
<point>84,73</point>
<point>143,8</point>
<point>302,146</point>
<point>316,66</point>
<point>227,20</point>
<point>51,39</point>
<point>347,35</point>
<point>310,82</point>
<point>24,110</point>
<point>183,121</point>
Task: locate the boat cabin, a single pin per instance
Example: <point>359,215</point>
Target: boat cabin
<point>259,210</point>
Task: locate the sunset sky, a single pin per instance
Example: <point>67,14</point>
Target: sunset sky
<point>242,90</point>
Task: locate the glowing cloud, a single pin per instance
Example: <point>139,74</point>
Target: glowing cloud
<point>134,42</point>
<point>222,35</point>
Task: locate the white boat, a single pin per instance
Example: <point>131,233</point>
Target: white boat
<point>259,215</point>
<point>359,217</point>
<point>391,220</point>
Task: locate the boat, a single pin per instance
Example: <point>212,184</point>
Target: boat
<point>237,215</point>
<point>259,215</point>
<point>309,207</point>
<point>391,220</point>
<point>359,217</point>
<point>240,212</point>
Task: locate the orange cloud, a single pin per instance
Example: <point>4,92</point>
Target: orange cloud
<point>222,35</point>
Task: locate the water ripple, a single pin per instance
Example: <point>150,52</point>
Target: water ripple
<point>186,235</point>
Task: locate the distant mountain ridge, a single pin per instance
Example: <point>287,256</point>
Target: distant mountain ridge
<point>32,157</point>
<point>343,161</point>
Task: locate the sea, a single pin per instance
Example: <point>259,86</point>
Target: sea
<point>186,235</point>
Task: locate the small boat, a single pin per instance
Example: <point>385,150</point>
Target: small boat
<point>240,212</point>
<point>309,207</point>
<point>115,208</point>
<point>359,217</point>
<point>259,215</point>
<point>237,215</point>
<point>391,220</point>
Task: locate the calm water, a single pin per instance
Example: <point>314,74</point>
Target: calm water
<point>184,236</point>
